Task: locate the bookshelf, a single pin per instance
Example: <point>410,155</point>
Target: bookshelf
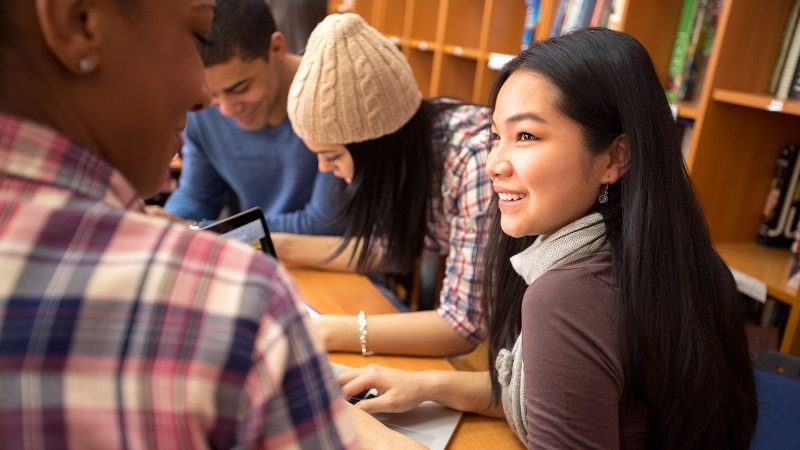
<point>738,128</point>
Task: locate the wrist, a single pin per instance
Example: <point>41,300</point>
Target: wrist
<point>338,333</point>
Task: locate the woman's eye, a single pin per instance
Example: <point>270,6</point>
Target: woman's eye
<point>204,41</point>
<point>331,159</point>
<point>527,137</point>
<point>494,137</point>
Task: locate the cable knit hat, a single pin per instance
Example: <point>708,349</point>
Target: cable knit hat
<point>352,85</point>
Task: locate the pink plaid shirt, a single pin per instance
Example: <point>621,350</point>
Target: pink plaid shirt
<point>458,223</point>
<point>119,330</point>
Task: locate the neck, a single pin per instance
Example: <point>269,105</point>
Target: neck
<point>288,69</point>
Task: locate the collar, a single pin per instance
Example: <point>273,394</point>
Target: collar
<point>34,152</point>
<point>579,238</point>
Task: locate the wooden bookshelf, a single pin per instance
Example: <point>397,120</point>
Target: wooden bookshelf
<point>736,136</point>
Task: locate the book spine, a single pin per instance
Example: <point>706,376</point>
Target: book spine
<point>572,16</point>
<point>788,70</point>
<point>783,187</point>
<point>555,30</point>
<point>585,14</point>
<point>791,25</point>
<point>530,24</point>
<point>693,84</point>
<point>605,15</point>
<point>794,90</point>
<point>679,49</point>
<point>597,14</point>
<point>680,83</point>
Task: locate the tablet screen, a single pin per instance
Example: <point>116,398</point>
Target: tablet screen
<point>249,227</point>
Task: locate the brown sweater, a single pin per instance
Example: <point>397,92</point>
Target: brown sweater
<point>574,381</point>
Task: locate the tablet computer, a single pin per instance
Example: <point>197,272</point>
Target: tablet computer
<point>249,227</point>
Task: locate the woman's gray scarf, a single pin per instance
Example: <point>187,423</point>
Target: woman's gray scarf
<point>582,237</point>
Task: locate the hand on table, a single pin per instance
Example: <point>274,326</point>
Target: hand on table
<point>398,390</point>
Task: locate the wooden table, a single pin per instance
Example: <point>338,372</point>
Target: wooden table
<point>347,293</point>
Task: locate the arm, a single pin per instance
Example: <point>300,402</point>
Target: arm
<point>466,194</point>
<point>319,216</point>
<point>201,191</point>
<point>401,390</point>
<point>377,436</point>
<point>422,333</point>
<point>573,375</point>
<point>313,251</point>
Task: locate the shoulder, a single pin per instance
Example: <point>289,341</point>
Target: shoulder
<point>577,291</point>
<point>464,127</point>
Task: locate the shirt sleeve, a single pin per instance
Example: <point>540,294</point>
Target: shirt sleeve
<point>320,215</point>
<point>201,190</point>
<point>292,397</point>
<point>573,372</point>
<point>470,190</point>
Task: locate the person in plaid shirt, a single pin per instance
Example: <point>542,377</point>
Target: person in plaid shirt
<point>414,170</point>
<point>117,329</point>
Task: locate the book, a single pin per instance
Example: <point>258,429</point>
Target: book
<point>794,89</point>
<point>791,25</point>
<point>558,19</point>
<point>585,13</point>
<point>571,16</point>
<point>779,215</point>
<point>792,55</point>
<point>597,14</point>
<point>680,48</point>
<point>605,14</point>
<point>531,21</point>
<point>679,84</point>
<point>693,80</point>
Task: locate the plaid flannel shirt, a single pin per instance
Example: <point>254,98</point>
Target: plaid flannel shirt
<point>458,222</point>
<point>119,330</point>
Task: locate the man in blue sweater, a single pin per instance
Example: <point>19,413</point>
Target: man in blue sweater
<point>244,144</point>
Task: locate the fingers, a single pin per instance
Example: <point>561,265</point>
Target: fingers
<point>358,380</point>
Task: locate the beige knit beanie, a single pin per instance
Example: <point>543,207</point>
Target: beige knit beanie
<point>352,85</point>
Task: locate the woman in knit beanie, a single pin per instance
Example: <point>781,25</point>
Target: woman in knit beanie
<point>414,170</point>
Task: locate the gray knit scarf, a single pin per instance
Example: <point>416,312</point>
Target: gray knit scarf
<point>579,238</point>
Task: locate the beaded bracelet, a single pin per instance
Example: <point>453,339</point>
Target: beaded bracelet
<point>362,333</point>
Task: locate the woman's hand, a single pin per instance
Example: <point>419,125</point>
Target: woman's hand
<point>375,435</point>
<point>398,390</point>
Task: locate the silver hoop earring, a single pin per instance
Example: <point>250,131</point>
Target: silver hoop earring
<point>85,65</point>
<point>603,198</point>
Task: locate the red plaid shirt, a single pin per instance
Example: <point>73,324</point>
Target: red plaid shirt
<point>458,223</point>
<point>119,330</point>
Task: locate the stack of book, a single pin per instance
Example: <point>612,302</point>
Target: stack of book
<point>574,14</point>
<point>694,40</point>
<point>785,82</point>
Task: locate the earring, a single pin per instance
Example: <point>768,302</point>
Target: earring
<point>85,65</point>
<point>603,198</point>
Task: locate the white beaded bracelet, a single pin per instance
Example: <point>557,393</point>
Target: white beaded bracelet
<point>362,333</point>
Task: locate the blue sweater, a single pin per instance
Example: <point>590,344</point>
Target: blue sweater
<point>270,168</point>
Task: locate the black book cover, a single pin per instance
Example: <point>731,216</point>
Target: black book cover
<point>779,217</point>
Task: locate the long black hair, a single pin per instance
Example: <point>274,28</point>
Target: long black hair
<point>388,198</point>
<point>685,351</point>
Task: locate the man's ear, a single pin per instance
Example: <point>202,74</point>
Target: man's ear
<point>619,158</point>
<point>71,30</point>
<point>277,47</point>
